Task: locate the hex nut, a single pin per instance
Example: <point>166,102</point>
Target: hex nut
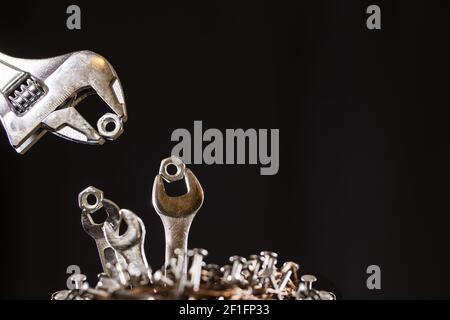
<point>83,202</point>
<point>178,163</point>
<point>104,121</point>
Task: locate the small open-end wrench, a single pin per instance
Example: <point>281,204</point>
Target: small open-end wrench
<point>131,246</point>
<point>178,212</point>
<point>95,230</point>
<point>37,96</point>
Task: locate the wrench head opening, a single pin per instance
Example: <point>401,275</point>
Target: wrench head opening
<point>95,230</point>
<point>180,206</point>
<point>133,236</point>
<point>41,95</point>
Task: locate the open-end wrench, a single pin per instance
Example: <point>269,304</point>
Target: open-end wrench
<point>131,246</point>
<point>106,253</point>
<point>178,212</point>
<point>37,96</point>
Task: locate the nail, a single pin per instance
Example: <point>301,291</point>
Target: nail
<point>308,280</point>
<point>196,268</point>
<point>237,265</point>
<point>79,281</point>
<point>288,270</point>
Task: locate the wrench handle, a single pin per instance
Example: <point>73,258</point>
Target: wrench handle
<point>177,233</point>
<point>105,256</point>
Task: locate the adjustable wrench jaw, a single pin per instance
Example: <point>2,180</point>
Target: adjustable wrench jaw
<point>37,96</point>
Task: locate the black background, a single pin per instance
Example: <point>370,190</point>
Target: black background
<point>363,118</point>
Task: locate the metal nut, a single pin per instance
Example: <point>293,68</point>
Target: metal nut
<point>114,132</point>
<point>83,199</point>
<point>172,161</point>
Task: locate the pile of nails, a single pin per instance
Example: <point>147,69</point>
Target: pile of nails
<point>185,274</point>
<point>255,278</point>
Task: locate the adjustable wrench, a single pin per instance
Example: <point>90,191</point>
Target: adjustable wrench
<point>37,96</point>
<point>131,246</point>
<point>108,256</point>
<point>176,213</point>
